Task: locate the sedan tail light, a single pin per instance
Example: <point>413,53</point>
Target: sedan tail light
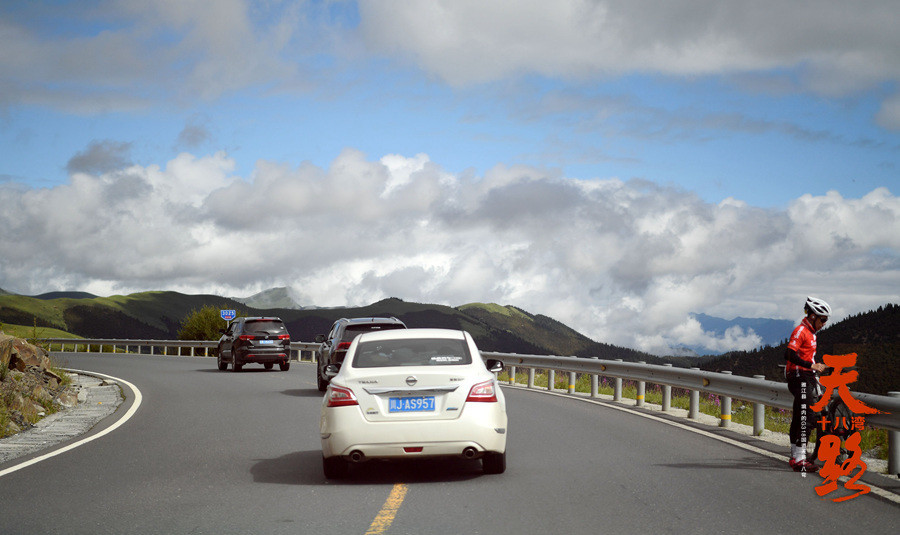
<point>339,396</point>
<point>247,337</point>
<point>284,337</point>
<point>485,392</point>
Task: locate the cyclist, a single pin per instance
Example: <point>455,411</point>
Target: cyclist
<point>799,371</point>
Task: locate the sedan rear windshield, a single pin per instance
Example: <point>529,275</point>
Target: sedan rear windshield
<point>412,352</point>
<point>352,331</point>
<point>264,326</point>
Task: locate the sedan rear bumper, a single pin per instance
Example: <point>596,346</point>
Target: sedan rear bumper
<point>481,427</point>
<point>263,356</point>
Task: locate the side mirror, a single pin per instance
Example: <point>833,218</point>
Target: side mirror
<point>331,370</point>
<point>320,338</point>
<point>223,331</point>
<point>493,365</point>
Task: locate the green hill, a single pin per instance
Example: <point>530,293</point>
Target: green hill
<point>153,315</point>
<point>874,336</point>
<point>158,315</point>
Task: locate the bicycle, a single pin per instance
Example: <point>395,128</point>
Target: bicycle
<point>834,411</point>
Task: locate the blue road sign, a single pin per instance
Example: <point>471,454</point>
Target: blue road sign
<point>227,315</point>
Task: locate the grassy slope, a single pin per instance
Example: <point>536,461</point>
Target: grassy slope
<point>29,332</point>
<point>141,315</point>
<point>22,310</point>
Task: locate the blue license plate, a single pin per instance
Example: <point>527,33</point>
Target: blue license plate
<point>411,404</point>
<point>267,341</point>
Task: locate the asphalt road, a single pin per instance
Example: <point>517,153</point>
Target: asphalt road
<point>218,452</point>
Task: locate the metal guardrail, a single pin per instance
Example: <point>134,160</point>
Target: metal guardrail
<point>192,348</point>
<point>757,390</point>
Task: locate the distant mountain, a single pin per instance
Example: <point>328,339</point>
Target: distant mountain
<point>874,336</point>
<point>271,298</point>
<point>158,315</point>
<point>770,331</point>
<point>65,295</point>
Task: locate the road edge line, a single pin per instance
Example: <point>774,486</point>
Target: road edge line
<point>882,493</point>
<point>125,417</point>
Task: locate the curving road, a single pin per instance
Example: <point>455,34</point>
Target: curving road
<point>216,452</point>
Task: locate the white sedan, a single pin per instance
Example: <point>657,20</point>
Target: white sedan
<point>413,393</point>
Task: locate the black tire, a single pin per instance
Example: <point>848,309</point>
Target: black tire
<point>493,463</point>
<point>220,362</point>
<point>284,366</point>
<point>321,382</point>
<point>334,467</point>
<point>236,365</point>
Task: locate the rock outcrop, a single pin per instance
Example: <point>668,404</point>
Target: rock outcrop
<point>29,387</point>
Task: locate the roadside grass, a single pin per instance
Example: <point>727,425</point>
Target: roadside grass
<point>29,332</point>
<point>873,441</point>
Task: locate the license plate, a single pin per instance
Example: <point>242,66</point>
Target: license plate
<point>411,404</point>
<point>267,341</point>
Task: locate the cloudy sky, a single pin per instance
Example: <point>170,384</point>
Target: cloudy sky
<point>616,165</point>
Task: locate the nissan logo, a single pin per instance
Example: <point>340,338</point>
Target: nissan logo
<point>411,380</point>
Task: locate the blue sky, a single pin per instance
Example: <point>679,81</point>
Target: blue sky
<point>750,154</point>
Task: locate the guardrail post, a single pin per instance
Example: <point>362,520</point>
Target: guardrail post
<point>894,446</point>
<point>667,394</point>
<point>617,387</point>
<point>512,375</point>
<point>641,391</point>
<point>530,377</point>
<point>759,413</point>
<point>595,382</point>
<point>551,378</point>
<point>725,418</point>
<point>571,382</point>
<point>694,407</point>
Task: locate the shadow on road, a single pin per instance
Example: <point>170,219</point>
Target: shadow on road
<point>305,468</point>
<point>748,463</point>
<point>303,392</point>
<point>299,468</point>
<point>253,369</point>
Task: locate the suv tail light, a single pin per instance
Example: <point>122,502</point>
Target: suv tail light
<point>343,346</point>
<point>485,392</point>
<point>339,396</point>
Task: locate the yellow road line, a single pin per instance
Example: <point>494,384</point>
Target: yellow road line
<point>385,517</point>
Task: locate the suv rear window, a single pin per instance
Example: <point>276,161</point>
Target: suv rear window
<point>352,331</point>
<point>412,352</point>
<point>264,326</point>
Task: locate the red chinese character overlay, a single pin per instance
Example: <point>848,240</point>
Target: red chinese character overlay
<point>832,471</point>
<point>840,381</point>
<point>830,444</point>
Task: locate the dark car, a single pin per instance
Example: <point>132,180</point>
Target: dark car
<point>262,340</point>
<point>334,345</point>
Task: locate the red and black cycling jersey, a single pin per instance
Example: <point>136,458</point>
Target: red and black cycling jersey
<point>802,345</point>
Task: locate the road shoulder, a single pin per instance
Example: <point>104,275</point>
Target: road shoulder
<point>98,398</point>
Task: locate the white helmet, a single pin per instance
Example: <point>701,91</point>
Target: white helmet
<point>817,307</point>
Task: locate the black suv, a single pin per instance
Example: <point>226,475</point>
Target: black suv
<point>334,345</point>
<point>262,340</point>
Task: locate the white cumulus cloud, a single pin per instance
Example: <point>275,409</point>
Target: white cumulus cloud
<point>625,262</point>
